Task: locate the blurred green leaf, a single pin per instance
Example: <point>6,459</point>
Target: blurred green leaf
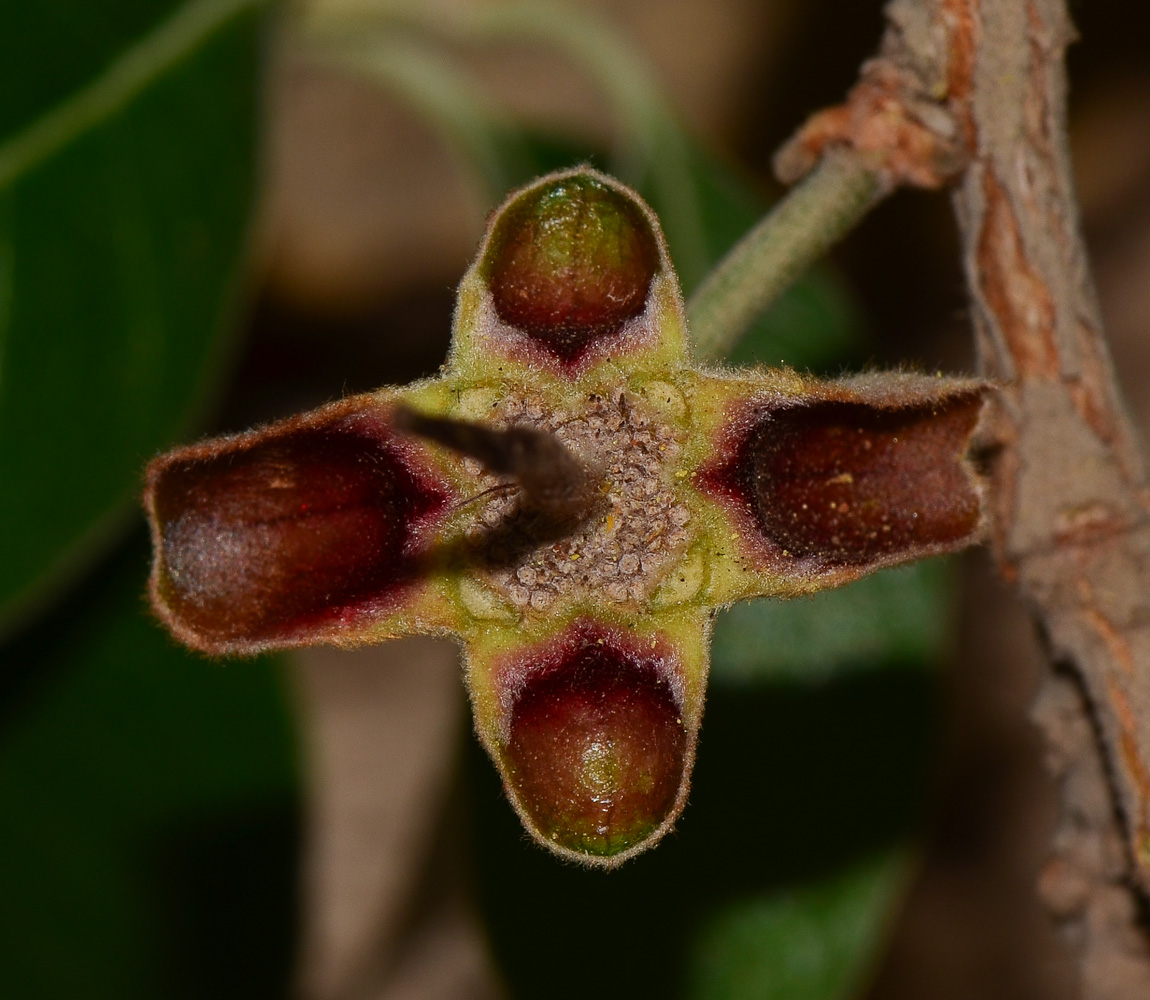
<point>897,616</point>
<point>814,326</point>
<point>126,166</point>
<point>149,822</point>
<point>807,943</point>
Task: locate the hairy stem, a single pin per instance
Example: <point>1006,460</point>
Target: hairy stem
<point>810,219</point>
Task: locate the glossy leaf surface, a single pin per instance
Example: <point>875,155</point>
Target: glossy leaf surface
<point>896,617</point>
<point>126,159</point>
<point>805,943</point>
<point>148,839</point>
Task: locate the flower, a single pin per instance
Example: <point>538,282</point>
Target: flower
<point>573,498</point>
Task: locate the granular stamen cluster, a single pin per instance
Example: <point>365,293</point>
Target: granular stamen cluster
<point>624,549</point>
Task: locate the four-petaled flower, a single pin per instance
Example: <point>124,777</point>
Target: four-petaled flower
<point>573,497</point>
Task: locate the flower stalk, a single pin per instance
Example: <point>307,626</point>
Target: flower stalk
<point>811,218</point>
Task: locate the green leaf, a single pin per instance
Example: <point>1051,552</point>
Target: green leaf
<point>808,943</point>
<point>897,616</point>
<point>148,838</point>
<point>126,168</point>
<point>814,326</point>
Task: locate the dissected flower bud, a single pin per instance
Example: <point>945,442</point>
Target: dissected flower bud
<point>293,533</point>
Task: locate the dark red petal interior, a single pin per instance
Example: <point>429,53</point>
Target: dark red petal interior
<point>846,483</point>
<point>269,539</point>
<point>597,748</point>
<point>569,262</point>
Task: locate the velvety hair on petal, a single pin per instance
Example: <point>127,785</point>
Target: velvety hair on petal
<point>843,482</point>
<point>298,532</point>
<point>597,752</point>
<point>570,261</point>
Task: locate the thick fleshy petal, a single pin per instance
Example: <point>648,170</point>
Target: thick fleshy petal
<point>305,531</point>
<point>851,476</point>
<point>594,731</point>
<point>573,270</point>
<point>570,262</point>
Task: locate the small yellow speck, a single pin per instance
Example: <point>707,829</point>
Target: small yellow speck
<point>574,555</point>
<point>681,474</point>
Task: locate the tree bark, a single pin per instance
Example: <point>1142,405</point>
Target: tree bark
<point>1069,523</point>
<point>974,92</point>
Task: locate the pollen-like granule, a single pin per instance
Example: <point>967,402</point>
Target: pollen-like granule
<point>623,550</point>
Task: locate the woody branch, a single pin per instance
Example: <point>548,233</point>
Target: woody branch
<point>975,90</point>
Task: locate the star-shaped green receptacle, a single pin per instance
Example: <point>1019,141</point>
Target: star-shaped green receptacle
<point>573,497</point>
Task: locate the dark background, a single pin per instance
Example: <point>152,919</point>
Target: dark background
<point>366,221</point>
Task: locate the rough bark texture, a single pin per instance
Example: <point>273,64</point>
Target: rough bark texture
<point>1070,527</point>
<point>893,120</point>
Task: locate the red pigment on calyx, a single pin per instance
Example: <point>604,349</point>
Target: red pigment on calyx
<point>843,483</point>
<point>568,263</point>
<point>597,748</point>
<point>270,536</point>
